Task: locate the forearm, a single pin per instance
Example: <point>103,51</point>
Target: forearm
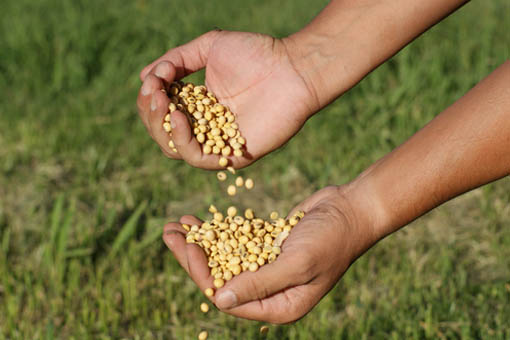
<point>350,38</point>
<point>464,147</point>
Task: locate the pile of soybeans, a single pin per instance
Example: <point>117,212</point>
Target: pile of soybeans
<point>213,124</point>
<point>233,242</point>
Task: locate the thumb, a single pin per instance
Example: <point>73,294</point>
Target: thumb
<point>187,58</point>
<point>268,280</point>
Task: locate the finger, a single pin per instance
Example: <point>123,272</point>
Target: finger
<point>159,109</point>
<point>198,269</point>
<point>187,145</point>
<point>190,219</point>
<point>288,271</point>
<point>170,154</point>
<point>287,306</point>
<point>151,85</point>
<point>164,70</point>
<point>174,238</point>
<point>187,58</point>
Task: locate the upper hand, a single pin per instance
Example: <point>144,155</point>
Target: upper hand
<point>251,73</point>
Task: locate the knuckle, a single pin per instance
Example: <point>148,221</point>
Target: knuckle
<point>305,269</point>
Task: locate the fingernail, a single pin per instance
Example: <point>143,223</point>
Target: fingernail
<point>226,299</point>
<point>154,106</point>
<point>161,71</point>
<point>146,89</point>
<point>169,241</point>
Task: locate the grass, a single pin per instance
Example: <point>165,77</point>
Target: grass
<point>84,192</point>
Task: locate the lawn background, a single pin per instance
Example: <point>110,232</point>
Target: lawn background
<point>84,192</point>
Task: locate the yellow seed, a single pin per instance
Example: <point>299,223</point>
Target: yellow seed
<point>203,335</point>
<point>238,153</point>
<point>209,292</point>
<point>171,143</point>
<point>218,283</point>
<point>227,275</point>
<point>261,261</point>
<point>206,243</point>
<point>172,107</point>
<point>210,235</point>
<point>231,211</point>
<point>223,163</point>
<point>226,151</point>
<point>231,170</point>
<point>231,190</point>
<point>222,120</point>
<point>293,221</point>
<point>207,149</point>
<point>241,140</point>
<point>248,213</point>
<point>223,236</point>
<point>220,143</point>
<point>248,183</point>
<point>215,131</point>
<point>201,138</point>
<point>264,330</point>
<point>254,266</point>
<point>221,176</point>
<point>216,150</point>
<point>212,209</point>
<point>167,127</point>
<point>204,307</point>
<point>239,181</point>
<point>218,216</point>
<point>274,215</point>
<point>236,269</point>
<point>268,239</point>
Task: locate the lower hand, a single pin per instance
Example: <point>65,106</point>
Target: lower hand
<point>318,251</point>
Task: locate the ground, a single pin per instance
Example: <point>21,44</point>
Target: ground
<point>84,192</point>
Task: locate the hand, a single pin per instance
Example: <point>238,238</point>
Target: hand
<point>251,73</point>
<point>318,251</point>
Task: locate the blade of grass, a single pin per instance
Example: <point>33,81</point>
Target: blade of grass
<point>127,231</point>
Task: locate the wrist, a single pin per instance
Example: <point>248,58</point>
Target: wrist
<point>327,72</point>
<point>367,207</point>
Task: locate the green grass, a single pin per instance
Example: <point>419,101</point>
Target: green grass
<point>84,192</point>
